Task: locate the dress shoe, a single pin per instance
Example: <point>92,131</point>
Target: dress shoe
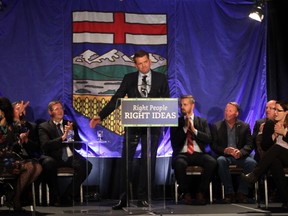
<point>142,203</point>
<point>187,199</point>
<point>122,203</point>
<point>285,205</point>
<point>241,198</point>
<point>200,199</point>
<point>55,201</point>
<point>250,177</point>
<point>229,198</point>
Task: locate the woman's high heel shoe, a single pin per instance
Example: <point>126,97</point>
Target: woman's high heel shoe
<point>9,195</point>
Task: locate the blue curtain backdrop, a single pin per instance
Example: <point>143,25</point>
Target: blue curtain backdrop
<point>214,52</point>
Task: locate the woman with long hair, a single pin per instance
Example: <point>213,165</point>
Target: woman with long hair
<point>25,170</point>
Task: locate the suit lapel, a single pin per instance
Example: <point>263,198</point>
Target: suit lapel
<point>54,128</point>
<point>153,83</point>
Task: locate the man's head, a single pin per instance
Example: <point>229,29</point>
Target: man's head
<point>142,61</point>
<point>55,110</point>
<point>270,109</point>
<point>231,112</point>
<point>187,104</point>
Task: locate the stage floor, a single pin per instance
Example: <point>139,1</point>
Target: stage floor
<point>157,208</point>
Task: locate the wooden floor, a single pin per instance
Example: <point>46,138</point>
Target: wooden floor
<point>157,208</point>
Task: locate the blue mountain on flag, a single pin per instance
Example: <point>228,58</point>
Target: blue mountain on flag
<point>95,74</point>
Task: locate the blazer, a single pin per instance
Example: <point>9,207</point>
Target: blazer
<point>129,87</point>
<point>267,140</point>
<point>178,136</point>
<point>257,126</point>
<point>244,140</point>
<point>51,142</point>
<point>257,139</point>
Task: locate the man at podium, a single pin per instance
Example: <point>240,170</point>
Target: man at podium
<point>145,83</point>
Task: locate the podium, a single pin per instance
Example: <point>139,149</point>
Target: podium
<point>146,113</point>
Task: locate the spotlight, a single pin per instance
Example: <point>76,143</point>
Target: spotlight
<point>257,12</point>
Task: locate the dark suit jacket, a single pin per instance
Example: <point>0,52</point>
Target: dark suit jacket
<point>257,126</point>
<point>51,141</point>
<point>243,138</point>
<point>178,136</point>
<point>129,87</point>
<point>268,130</point>
<point>257,139</point>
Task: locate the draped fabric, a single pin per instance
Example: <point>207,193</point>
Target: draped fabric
<point>213,51</point>
<point>277,46</point>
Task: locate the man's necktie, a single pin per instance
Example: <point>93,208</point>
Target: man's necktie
<point>189,134</point>
<point>59,129</point>
<point>144,90</point>
<point>64,149</point>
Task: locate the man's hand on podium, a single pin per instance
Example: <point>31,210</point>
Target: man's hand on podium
<point>94,121</point>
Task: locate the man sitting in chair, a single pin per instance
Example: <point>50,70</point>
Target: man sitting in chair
<point>188,142</point>
<point>232,142</point>
<point>52,135</point>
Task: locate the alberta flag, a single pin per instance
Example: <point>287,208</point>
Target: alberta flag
<point>102,43</point>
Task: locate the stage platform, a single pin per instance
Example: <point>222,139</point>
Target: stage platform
<point>157,208</point>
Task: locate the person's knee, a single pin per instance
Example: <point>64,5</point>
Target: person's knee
<point>179,164</point>
<point>213,164</point>
<point>49,163</point>
<point>221,161</point>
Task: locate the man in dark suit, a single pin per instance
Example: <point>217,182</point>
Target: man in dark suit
<point>52,135</point>
<point>232,141</point>
<point>258,128</point>
<point>143,83</point>
<point>183,157</point>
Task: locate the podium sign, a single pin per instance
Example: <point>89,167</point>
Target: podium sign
<point>149,112</point>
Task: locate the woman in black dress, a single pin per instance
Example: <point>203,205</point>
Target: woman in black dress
<point>26,171</point>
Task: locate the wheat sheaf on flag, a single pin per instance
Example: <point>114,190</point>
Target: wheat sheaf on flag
<point>96,74</point>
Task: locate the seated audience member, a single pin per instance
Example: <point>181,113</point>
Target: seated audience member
<point>28,131</point>
<point>188,142</point>
<point>52,135</point>
<point>11,162</point>
<point>258,128</point>
<point>275,145</point>
<point>232,142</point>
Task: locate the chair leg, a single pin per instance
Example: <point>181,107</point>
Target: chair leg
<point>47,195</point>
<point>2,200</point>
<point>256,185</point>
<point>40,194</point>
<point>211,192</point>
<point>81,193</point>
<point>33,197</point>
<point>266,191</point>
<point>176,192</point>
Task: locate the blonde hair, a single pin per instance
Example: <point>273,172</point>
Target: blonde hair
<point>192,100</point>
